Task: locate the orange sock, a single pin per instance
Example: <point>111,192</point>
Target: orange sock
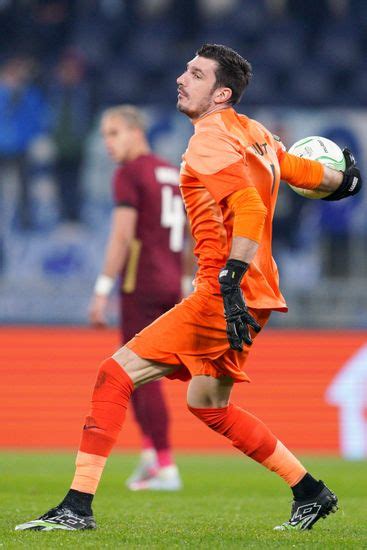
<point>110,398</point>
<point>89,469</point>
<point>246,432</point>
<point>285,464</point>
<point>253,437</point>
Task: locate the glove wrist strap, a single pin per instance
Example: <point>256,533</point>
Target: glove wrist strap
<point>231,274</point>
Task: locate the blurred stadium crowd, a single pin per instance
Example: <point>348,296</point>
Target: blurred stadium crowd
<point>63,61</point>
<point>135,48</point>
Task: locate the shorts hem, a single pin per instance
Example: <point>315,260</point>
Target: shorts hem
<point>184,372</point>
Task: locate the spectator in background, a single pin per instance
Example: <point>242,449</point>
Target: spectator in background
<point>70,98</point>
<point>23,118</point>
<point>312,16</point>
<point>47,25</point>
<point>147,233</point>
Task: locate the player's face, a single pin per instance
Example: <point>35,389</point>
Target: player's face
<point>196,87</point>
<point>117,136</point>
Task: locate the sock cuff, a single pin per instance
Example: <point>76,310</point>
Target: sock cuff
<point>207,411</point>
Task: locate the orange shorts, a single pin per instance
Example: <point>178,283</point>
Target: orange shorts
<point>192,335</point>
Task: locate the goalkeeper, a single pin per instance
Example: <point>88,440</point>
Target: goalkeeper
<point>230,178</point>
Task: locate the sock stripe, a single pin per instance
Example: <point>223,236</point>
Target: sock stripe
<point>285,464</point>
<point>110,398</point>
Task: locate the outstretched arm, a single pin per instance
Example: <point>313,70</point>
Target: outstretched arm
<point>331,180</point>
<point>311,174</point>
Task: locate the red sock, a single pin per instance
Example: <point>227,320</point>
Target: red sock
<point>246,432</point>
<point>164,458</point>
<point>253,437</point>
<point>109,402</point>
<point>146,443</point>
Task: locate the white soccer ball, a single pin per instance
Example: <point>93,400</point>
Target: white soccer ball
<point>325,151</point>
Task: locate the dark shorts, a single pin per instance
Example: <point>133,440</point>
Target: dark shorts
<point>139,311</point>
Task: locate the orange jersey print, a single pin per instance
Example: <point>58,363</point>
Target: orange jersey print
<point>228,153</point>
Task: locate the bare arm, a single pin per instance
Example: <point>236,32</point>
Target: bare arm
<point>123,228</point>
<point>121,235</point>
<point>243,249</point>
<point>331,180</point>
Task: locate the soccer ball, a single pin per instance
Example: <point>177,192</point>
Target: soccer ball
<point>325,151</point>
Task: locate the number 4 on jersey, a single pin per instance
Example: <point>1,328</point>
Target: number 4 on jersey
<point>173,217</point>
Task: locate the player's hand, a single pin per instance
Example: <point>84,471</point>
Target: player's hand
<point>236,314</point>
<point>97,311</point>
<point>352,180</point>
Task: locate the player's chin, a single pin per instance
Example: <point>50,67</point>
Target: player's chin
<point>179,106</point>
<point>183,108</point>
<point>112,155</point>
<point>115,157</point>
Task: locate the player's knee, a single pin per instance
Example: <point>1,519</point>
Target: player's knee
<point>205,401</point>
<point>112,381</point>
<point>212,417</point>
<point>106,372</point>
<point>103,374</point>
<point>194,410</point>
<point>135,366</point>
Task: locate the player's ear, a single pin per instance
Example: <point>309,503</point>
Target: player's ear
<point>222,95</point>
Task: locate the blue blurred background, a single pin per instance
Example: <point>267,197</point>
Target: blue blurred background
<point>62,62</point>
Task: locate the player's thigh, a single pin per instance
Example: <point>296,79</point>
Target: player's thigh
<point>141,370</point>
<point>209,392</point>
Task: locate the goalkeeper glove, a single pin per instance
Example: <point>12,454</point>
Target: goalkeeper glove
<point>352,180</point>
<point>236,313</point>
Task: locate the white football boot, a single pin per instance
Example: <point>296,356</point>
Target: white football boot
<point>146,468</point>
<point>166,479</point>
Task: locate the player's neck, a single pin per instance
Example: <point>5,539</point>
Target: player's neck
<point>137,151</point>
<point>210,111</point>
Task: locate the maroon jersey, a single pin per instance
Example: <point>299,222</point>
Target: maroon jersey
<point>150,185</point>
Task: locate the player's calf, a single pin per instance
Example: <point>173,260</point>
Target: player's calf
<point>110,398</point>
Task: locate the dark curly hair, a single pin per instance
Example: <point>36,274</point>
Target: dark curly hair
<point>233,70</point>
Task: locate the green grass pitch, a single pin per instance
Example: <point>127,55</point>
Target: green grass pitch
<point>227,502</point>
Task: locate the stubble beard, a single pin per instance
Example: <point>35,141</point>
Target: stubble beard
<point>202,108</point>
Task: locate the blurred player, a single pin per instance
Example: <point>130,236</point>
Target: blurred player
<point>229,181</point>
<point>147,231</point>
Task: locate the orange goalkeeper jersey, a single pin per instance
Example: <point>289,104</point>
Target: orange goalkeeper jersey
<point>229,152</point>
